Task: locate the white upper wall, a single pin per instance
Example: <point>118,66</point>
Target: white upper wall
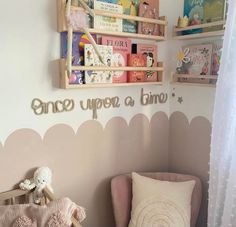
<point>29,50</point>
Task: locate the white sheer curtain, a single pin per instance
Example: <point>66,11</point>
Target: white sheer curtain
<point>222,188</point>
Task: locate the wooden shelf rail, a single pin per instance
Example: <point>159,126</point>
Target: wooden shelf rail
<point>110,68</point>
<point>203,34</point>
<point>64,82</point>
<point>12,194</point>
<point>213,77</point>
<point>111,85</point>
<point>64,9</point>
<point>176,79</point>
<point>162,21</point>
<point>125,34</point>
<point>122,16</point>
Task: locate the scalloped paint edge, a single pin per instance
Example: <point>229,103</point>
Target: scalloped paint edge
<point>103,127</point>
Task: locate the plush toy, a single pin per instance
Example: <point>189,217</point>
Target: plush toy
<point>183,22</point>
<point>42,178</point>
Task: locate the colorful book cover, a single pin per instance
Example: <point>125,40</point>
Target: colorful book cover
<point>214,10</point>
<point>136,60</point>
<point>91,59</point>
<point>79,39</point>
<point>148,9</point>
<point>78,42</point>
<point>88,2</point>
<point>200,61</point>
<point>216,57</point>
<point>109,1</point>
<point>76,77</point>
<point>121,48</point>
<point>108,23</point>
<point>130,7</point>
<point>150,52</point>
<point>194,9</point>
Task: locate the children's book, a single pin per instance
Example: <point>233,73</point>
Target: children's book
<point>148,9</point>
<point>200,61</point>
<point>136,60</point>
<point>150,52</point>
<point>130,7</point>
<point>216,57</point>
<point>108,23</point>
<point>121,48</point>
<point>79,39</point>
<point>200,57</point>
<point>88,2</point>
<point>76,77</point>
<point>194,9</point>
<point>109,1</point>
<point>91,59</point>
<point>214,11</point>
<point>78,42</point>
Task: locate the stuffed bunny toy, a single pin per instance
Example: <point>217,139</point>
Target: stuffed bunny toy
<point>42,178</point>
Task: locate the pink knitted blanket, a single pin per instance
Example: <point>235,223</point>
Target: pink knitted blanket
<point>56,213</point>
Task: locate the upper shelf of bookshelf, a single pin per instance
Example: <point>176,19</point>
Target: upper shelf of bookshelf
<point>212,29</point>
<point>126,34</point>
<point>162,22</point>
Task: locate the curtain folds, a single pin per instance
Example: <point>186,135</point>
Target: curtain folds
<point>222,187</point>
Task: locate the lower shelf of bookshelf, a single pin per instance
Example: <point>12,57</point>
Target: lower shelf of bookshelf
<point>82,86</point>
<point>207,80</point>
<point>194,84</point>
<point>64,82</point>
<point>218,26</point>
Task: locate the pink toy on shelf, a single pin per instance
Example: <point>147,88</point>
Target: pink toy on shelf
<point>78,21</point>
<point>196,20</point>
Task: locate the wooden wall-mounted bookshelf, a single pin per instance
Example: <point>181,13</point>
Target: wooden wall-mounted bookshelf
<point>64,81</point>
<point>185,79</point>
<point>65,65</point>
<point>218,25</point>
<point>212,29</point>
<point>162,22</point>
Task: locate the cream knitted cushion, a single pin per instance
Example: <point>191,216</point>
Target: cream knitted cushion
<point>160,203</point>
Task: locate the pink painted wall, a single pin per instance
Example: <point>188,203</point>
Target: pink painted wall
<point>190,150</point>
<point>84,162</point>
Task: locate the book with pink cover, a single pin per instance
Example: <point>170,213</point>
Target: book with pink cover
<point>200,62</point>
<point>121,48</point>
<point>216,57</point>
<point>200,57</point>
<point>148,9</point>
<point>136,60</point>
<point>150,52</point>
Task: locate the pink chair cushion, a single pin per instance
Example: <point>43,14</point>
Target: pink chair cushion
<point>121,192</point>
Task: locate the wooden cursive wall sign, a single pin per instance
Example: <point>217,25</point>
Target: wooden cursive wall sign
<point>96,104</point>
<point>39,107</point>
<point>146,98</point>
<point>149,98</point>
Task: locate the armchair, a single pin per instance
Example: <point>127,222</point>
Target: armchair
<point>121,192</point>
